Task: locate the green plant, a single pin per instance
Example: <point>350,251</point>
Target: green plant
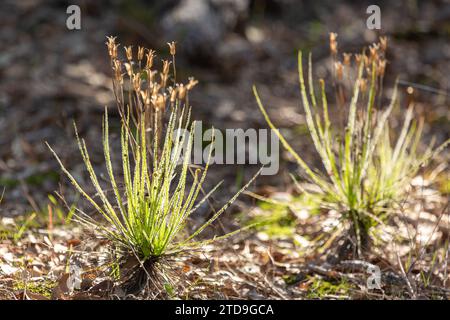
<point>63,215</point>
<point>147,218</point>
<point>277,218</point>
<point>43,287</point>
<point>366,174</point>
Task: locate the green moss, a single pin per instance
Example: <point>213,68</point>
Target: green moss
<point>321,288</point>
<point>169,290</point>
<point>292,279</point>
<point>44,287</point>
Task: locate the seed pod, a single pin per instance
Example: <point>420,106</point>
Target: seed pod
<point>192,83</point>
<point>164,78</point>
<point>140,54</point>
<point>160,103</point>
<point>155,89</point>
<point>145,97</point>
<point>137,82</point>
<point>181,92</point>
<point>173,48</point>
<point>373,52</point>
<point>166,65</point>
<point>165,73</point>
<point>129,69</point>
<point>112,47</point>
<point>114,53</point>
<point>173,94</point>
<point>129,52</point>
<point>149,55</point>
<point>151,76</point>
<point>366,61</point>
<point>117,67</point>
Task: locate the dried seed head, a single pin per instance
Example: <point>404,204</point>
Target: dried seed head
<point>383,43</point>
<point>114,53</point>
<point>366,61</point>
<point>333,36</point>
<point>111,41</point>
<point>191,84</point>
<point>164,79</point>
<point>112,47</point>
<point>381,67</point>
<point>160,103</point>
<point>373,52</point>
<point>173,94</point>
<point>117,68</point>
<point>151,76</point>
<point>150,55</point>
<point>339,68</point>
<point>140,54</point>
<point>166,66</point>
<point>129,52</point>
<point>165,73</point>
<point>347,59</point>
<point>173,47</point>
<point>129,69</point>
<point>117,65</point>
<point>137,82</point>
<point>155,89</point>
<point>145,97</point>
<point>181,92</point>
<point>150,92</point>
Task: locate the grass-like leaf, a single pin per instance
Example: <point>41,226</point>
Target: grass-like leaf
<point>155,194</point>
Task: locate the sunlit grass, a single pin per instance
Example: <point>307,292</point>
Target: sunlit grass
<point>366,172</point>
<point>147,211</point>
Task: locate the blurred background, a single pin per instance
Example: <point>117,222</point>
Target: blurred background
<point>50,75</point>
